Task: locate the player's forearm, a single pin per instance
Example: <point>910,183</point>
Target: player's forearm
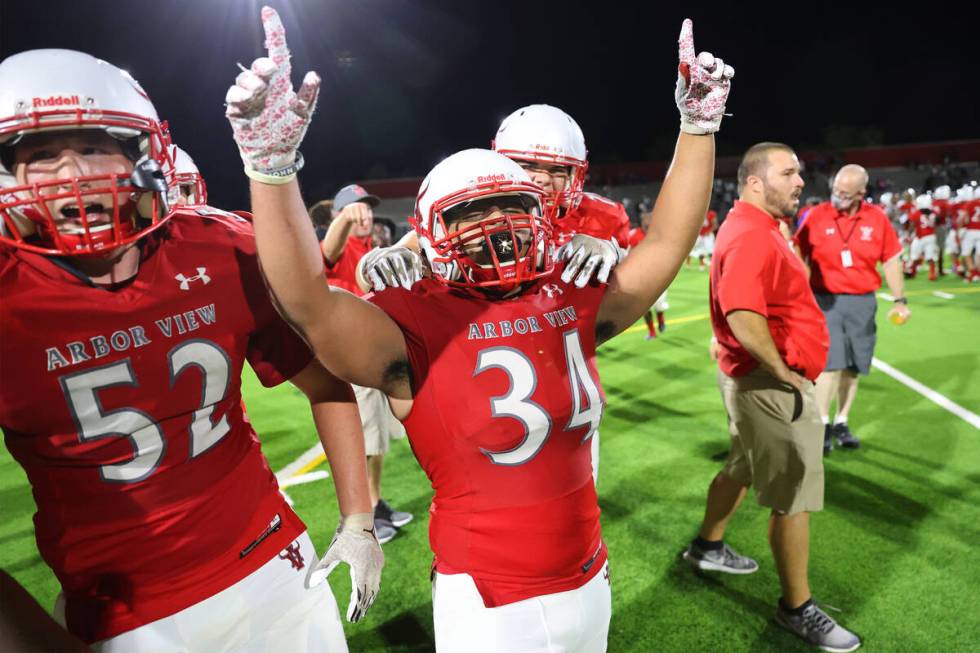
<point>338,424</point>
<point>752,332</point>
<point>332,246</point>
<point>894,277</point>
<point>288,251</point>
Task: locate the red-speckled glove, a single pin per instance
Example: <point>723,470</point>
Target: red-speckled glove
<point>267,117</point>
<point>703,83</point>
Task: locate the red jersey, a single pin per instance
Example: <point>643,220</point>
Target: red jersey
<point>635,236</point>
<point>124,408</point>
<point>343,272</point>
<point>924,223</point>
<point>943,211</point>
<point>755,269</point>
<point>868,236</point>
<point>594,216</point>
<point>507,396</point>
<point>708,226</point>
<point>973,215</point>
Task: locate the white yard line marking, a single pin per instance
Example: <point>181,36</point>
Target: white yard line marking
<point>886,297</point>
<point>303,478</point>
<point>944,402</point>
<point>296,467</point>
<point>943,295</point>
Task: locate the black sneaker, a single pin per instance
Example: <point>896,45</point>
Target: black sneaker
<point>725,559</point>
<point>398,518</point>
<point>816,627</point>
<point>844,437</point>
<point>828,445</point>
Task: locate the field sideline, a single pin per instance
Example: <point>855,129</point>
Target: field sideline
<point>894,548</point>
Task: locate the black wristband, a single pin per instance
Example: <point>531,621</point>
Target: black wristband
<point>902,300</point>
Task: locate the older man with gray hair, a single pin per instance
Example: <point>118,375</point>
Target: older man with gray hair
<point>842,242</point>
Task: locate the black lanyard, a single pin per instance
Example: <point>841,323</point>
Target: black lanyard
<point>840,232</point>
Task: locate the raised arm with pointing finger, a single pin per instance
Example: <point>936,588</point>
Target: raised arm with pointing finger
<point>269,120</point>
<point>703,83</point>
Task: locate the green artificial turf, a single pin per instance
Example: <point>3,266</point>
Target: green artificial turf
<point>894,549</point>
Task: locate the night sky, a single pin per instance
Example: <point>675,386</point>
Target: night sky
<point>407,83</point>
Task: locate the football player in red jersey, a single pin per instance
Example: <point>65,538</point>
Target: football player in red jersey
<point>124,329</point>
<point>489,363</point>
<point>704,246</point>
<point>942,207</point>
<point>924,245</point>
<point>970,219</point>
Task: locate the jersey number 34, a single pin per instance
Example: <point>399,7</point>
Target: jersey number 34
<point>517,402</point>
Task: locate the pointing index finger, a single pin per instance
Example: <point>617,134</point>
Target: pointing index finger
<point>685,43</point>
<point>275,36</point>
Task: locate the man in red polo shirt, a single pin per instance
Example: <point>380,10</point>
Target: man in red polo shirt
<point>348,239</point>
<point>842,242</point>
<point>772,344</point>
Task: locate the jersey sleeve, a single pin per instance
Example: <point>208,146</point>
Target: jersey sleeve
<point>622,232</point>
<point>743,280</point>
<point>398,303</point>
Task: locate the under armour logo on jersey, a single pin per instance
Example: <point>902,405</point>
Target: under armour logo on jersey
<point>866,233</point>
<point>830,231</point>
<point>552,289</point>
<point>293,554</point>
<point>185,281</point>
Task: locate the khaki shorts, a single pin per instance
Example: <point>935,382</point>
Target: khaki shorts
<point>377,420</point>
<point>777,441</point>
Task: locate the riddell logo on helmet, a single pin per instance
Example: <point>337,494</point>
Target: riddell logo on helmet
<point>482,179</point>
<point>56,101</point>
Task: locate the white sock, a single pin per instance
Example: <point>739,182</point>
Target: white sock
<point>840,419</point>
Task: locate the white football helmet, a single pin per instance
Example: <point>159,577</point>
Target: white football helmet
<point>965,193</point>
<point>505,238</point>
<point>923,202</point>
<point>541,133</point>
<point>942,193</point>
<point>885,199</point>
<point>188,187</point>
<point>64,90</point>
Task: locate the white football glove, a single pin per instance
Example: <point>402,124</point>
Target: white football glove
<point>390,267</point>
<point>703,83</point>
<point>585,254</point>
<point>353,543</point>
<point>268,119</point>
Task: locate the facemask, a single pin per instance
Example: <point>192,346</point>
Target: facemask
<point>839,203</point>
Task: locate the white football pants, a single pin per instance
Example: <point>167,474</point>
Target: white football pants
<point>576,621</point>
<point>269,611</point>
